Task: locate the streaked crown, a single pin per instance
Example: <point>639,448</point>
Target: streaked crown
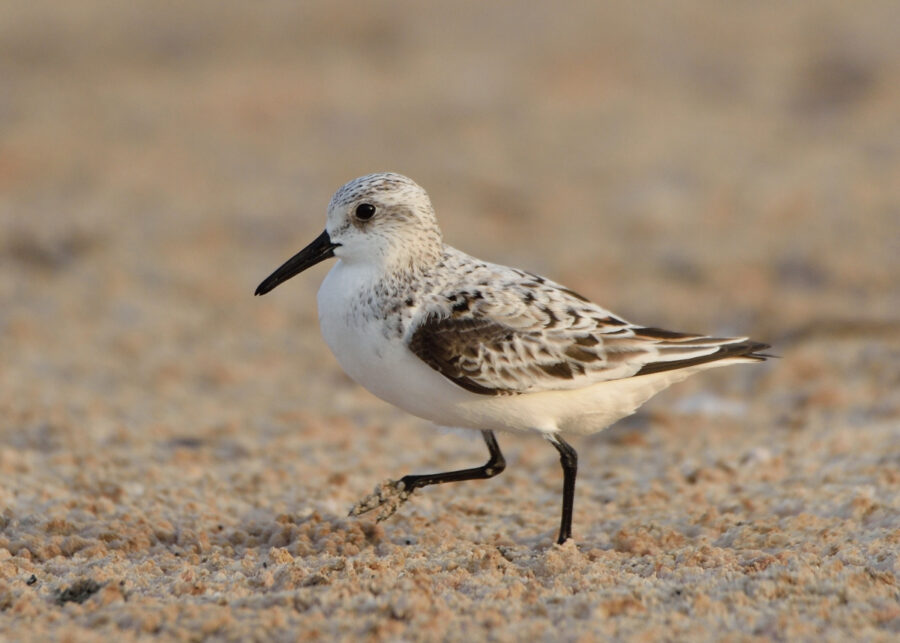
<point>384,218</point>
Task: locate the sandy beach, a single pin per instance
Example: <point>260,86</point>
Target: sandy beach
<point>178,457</point>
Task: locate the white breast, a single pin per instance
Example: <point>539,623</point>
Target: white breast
<point>375,356</point>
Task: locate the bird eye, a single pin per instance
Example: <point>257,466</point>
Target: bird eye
<point>365,211</point>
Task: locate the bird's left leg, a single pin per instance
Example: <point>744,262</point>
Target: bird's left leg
<point>393,493</point>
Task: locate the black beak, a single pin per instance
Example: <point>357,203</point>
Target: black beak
<point>319,250</point>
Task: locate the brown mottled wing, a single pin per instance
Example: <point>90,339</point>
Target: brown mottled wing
<point>454,348</point>
<point>492,346</point>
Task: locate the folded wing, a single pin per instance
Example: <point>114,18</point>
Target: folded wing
<point>535,335</point>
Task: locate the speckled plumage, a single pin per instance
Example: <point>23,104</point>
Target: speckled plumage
<point>471,344</point>
<point>490,329</point>
<point>497,330</point>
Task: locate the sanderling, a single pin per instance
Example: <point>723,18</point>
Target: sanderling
<point>471,344</point>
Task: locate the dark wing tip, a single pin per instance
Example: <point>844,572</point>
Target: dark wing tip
<point>748,349</point>
<point>754,351</point>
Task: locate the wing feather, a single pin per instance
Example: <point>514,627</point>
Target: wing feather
<point>533,335</point>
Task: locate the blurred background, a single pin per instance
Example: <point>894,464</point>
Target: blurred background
<point>730,168</point>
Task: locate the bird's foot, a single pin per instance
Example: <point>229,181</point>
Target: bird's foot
<point>388,495</point>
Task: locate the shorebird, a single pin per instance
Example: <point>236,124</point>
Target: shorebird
<point>467,343</point>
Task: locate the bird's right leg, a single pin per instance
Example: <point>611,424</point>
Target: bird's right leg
<point>568,458</point>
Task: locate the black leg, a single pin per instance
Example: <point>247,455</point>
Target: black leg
<point>569,460</point>
<point>495,465</point>
<point>390,494</point>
